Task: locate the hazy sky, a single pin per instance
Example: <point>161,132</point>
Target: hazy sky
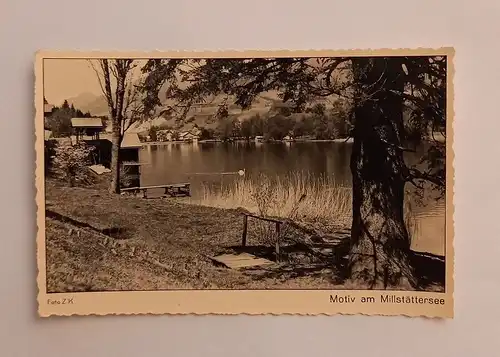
<point>66,78</point>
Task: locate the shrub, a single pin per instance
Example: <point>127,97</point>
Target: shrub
<point>70,163</point>
<point>127,177</point>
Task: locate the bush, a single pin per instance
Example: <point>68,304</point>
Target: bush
<point>127,177</point>
<point>70,163</point>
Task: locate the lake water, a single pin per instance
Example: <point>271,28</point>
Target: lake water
<point>202,163</point>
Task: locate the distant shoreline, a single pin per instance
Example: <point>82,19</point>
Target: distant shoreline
<point>157,143</point>
<point>339,140</point>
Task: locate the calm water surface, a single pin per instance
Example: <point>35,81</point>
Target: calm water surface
<point>202,163</point>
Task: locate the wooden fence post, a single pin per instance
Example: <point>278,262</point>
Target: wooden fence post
<point>244,236</point>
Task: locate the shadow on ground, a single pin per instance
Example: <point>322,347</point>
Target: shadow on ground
<point>330,261</point>
<point>113,232</point>
<point>430,269</point>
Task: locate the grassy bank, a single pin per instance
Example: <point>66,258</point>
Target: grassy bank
<point>100,242</point>
<point>97,241</point>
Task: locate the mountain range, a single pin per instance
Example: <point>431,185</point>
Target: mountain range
<point>89,102</point>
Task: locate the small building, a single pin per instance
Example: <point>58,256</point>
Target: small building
<point>196,131</point>
<point>129,148</point>
<point>164,135</point>
<point>47,112</point>
<point>129,159</point>
<point>188,136</point>
<point>47,134</point>
<point>47,108</point>
<point>87,127</point>
<point>49,142</point>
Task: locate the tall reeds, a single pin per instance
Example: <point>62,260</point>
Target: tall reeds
<point>298,196</point>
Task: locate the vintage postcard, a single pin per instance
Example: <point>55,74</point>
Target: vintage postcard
<point>256,182</point>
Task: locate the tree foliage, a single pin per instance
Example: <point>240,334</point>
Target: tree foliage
<point>59,121</point>
<point>227,128</point>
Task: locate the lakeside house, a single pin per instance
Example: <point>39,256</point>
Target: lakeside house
<point>130,147</point>
<point>129,159</point>
<point>83,128</point>
<point>47,108</point>
<point>165,135</point>
<point>47,112</point>
<point>92,132</point>
<point>190,135</point>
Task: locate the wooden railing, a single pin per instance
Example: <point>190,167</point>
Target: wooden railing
<point>172,190</point>
<point>277,222</point>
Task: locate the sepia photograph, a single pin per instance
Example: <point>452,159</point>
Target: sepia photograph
<point>274,173</point>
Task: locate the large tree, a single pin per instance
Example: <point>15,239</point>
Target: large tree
<point>380,255</point>
<point>378,91</point>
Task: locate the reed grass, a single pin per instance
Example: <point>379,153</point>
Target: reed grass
<point>299,196</point>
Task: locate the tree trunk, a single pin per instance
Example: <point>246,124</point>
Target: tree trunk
<point>117,134</point>
<point>115,159</point>
<point>380,246</point>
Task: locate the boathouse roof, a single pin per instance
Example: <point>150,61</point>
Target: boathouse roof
<point>87,123</point>
<point>131,141</point>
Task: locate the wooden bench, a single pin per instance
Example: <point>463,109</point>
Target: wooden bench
<point>170,190</point>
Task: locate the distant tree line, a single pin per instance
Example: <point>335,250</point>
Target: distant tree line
<point>59,121</point>
<point>316,122</point>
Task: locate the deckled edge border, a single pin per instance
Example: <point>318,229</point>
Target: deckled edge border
<point>449,51</point>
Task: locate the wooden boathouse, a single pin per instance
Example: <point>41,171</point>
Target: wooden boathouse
<point>129,159</point>
<point>87,128</point>
<point>92,131</point>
